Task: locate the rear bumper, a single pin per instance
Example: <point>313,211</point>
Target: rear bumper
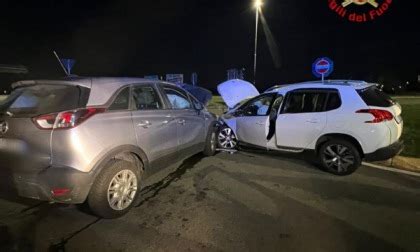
<point>40,184</point>
<point>386,153</point>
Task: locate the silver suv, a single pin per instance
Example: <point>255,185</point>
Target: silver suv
<point>98,139</point>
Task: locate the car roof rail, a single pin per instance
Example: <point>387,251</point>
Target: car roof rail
<point>339,82</point>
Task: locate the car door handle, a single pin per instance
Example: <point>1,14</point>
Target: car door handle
<point>168,119</point>
<point>260,123</point>
<point>144,124</point>
<point>181,122</point>
<point>312,121</point>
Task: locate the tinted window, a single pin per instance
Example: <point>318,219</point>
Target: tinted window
<point>259,106</point>
<point>276,107</point>
<point>374,97</point>
<point>276,104</point>
<point>44,99</point>
<point>122,100</point>
<point>334,101</point>
<point>178,99</point>
<point>146,98</point>
<point>305,102</point>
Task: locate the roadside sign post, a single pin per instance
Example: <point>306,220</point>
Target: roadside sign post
<point>194,79</point>
<point>175,78</point>
<point>68,64</point>
<point>322,68</point>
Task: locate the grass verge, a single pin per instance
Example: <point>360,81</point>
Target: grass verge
<point>411,133</point>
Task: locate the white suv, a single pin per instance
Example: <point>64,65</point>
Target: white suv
<point>343,121</point>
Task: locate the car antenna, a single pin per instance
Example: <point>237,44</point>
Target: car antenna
<point>61,64</point>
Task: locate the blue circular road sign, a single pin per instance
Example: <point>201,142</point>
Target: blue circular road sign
<point>322,67</point>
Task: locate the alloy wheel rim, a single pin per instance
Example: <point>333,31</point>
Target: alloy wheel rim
<point>227,138</point>
<point>338,157</point>
<point>122,189</point>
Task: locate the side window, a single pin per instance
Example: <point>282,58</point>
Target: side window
<point>305,102</point>
<point>146,98</point>
<point>259,106</point>
<point>196,103</point>
<point>276,104</point>
<point>334,101</point>
<point>121,102</point>
<point>178,99</point>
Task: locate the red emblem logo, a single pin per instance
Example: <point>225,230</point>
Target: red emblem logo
<point>360,11</point>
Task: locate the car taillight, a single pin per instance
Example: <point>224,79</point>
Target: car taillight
<point>66,119</point>
<point>378,115</point>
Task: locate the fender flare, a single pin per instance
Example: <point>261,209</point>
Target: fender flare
<point>101,162</point>
<point>324,138</point>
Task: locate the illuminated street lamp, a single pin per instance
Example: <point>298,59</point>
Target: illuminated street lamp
<point>257,5</point>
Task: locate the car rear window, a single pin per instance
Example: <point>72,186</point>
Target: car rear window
<point>44,99</point>
<point>372,96</point>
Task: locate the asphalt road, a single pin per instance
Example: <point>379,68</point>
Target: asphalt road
<point>239,202</point>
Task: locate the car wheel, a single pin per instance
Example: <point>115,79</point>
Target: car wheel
<point>211,143</point>
<point>226,138</point>
<point>339,157</point>
<point>115,189</point>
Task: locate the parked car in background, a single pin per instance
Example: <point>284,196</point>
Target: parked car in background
<point>10,74</point>
<point>344,122</point>
<point>98,139</point>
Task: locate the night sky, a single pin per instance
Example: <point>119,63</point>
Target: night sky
<point>137,38</point>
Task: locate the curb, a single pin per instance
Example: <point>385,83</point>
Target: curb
<point>391,169</point>
<point>402,163</point>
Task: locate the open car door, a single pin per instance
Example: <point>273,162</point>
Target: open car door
<point>202,95</point>
<point>253,124</point>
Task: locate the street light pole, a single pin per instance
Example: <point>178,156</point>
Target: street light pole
<point>257,5</point>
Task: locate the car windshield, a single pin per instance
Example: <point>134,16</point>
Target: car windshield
<point>241,103</point>
<point>43,99</point>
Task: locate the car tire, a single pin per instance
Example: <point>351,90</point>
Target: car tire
<point>211,143</point>
<point>226,138</point>
<point>111,195</point>
<point>339,157</point>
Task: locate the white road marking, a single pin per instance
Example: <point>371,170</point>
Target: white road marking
<point>380,167</point>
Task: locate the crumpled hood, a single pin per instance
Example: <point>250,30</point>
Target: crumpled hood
<point>235,91</point>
